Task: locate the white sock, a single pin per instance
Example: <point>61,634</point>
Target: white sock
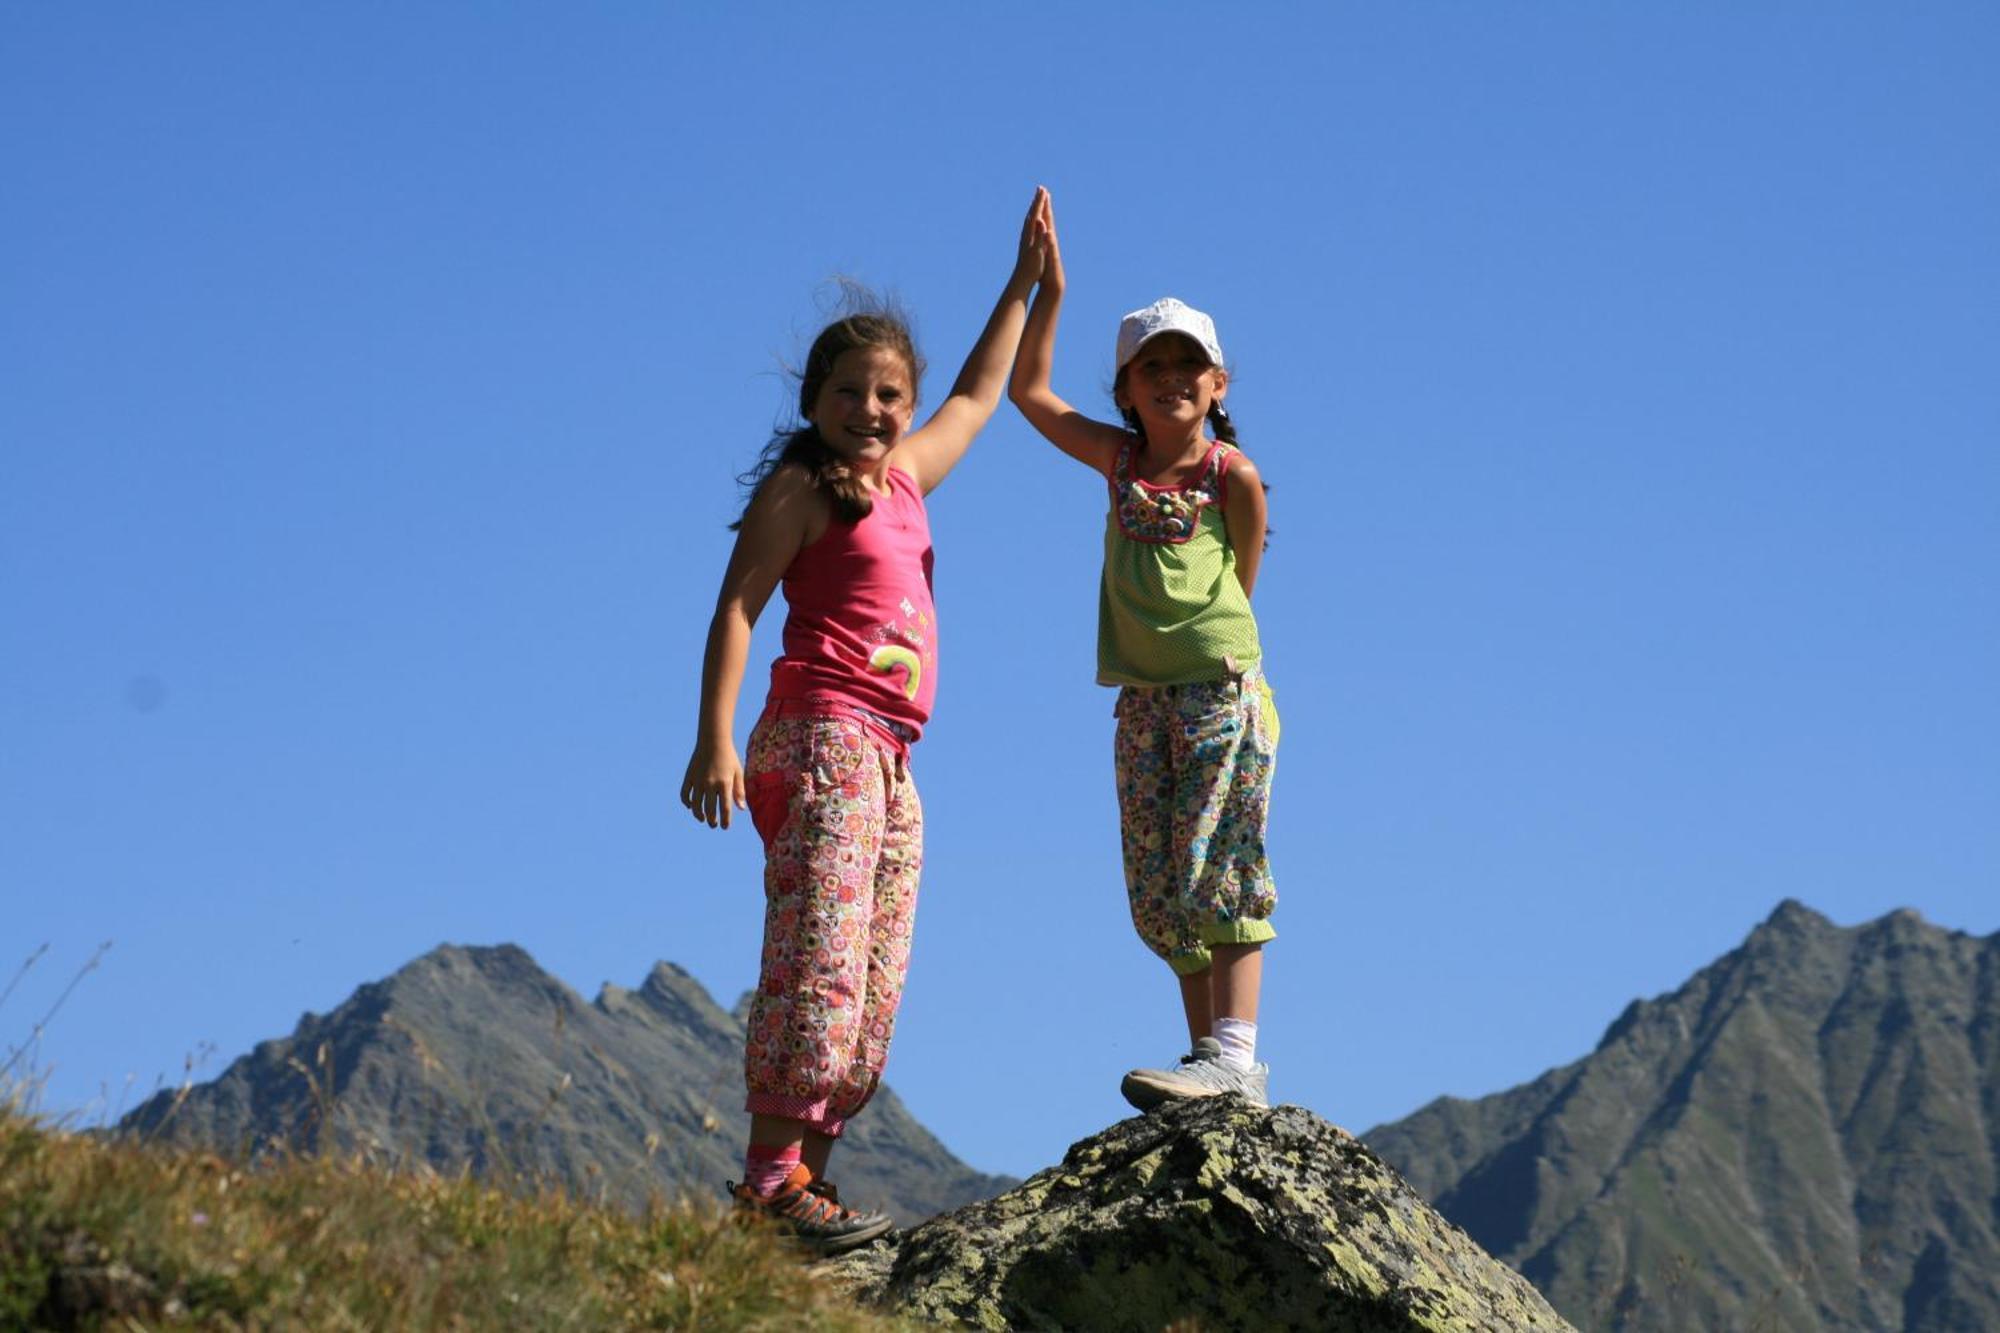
<point>1239,1041</point>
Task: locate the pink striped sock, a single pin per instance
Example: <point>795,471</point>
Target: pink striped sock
<point>765,1167</point>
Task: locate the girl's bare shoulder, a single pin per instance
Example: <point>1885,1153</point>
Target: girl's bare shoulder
<point>789,503</point>
<point>1239,462</point>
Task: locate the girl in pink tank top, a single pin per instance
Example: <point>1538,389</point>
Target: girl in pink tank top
<point>836,515</point>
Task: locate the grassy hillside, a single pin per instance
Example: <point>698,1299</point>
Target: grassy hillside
<point>96,1234</point>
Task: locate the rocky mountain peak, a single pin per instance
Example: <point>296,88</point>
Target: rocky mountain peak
<point>473,1056</point>
<point>1792,918</point>
<point>1803,1136</point>
<point>677,997</point>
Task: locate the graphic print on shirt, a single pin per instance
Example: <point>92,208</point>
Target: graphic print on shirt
<point>904,647</point>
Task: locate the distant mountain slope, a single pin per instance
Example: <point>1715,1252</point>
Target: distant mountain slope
<point>475,1056</point>
<point>1802,1137</point>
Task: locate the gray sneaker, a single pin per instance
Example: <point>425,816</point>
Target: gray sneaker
<point>1202,1073</point>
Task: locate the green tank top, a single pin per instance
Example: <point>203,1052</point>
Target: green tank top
<point>1171,610</point>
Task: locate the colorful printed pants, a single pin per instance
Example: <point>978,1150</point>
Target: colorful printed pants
<point>1194,787</point>
<point>842,849</point>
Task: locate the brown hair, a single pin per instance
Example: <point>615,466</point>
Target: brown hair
<point>872,323</point>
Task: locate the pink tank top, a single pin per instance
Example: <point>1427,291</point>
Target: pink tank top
<point>862,630</point>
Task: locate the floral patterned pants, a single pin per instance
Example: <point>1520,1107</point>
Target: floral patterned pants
<point>843,845</point>
<point>1194,767</point>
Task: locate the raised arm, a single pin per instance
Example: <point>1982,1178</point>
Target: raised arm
<point>1093,443</point>
<point>775,528</point>
<point>934,449</point>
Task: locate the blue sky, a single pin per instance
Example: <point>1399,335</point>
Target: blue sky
<point>373,381</point>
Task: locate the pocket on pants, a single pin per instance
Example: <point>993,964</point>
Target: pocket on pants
<point>1267,712</point>
<point>770,803</point>
<point>838,751</point>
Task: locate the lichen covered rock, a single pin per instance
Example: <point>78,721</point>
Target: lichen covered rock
<point>1210,1211</point>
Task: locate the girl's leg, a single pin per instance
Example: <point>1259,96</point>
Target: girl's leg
<point>804,783</point>
<point>1232,893</point>
<point>777,1131</point>
<point>1221,761</point>
<point>1143,759</point>
<point>814,1151</point>
<point>1235,979</point>
<point>889,928</point>
<point>811,800</point>
<point>1198,1001</point>
<point>1229,732</point>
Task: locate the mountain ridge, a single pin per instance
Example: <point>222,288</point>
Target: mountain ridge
<point>472,1056</point>
<point>1803,1135</point>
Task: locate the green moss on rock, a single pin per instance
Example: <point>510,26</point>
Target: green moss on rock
<point>1213,1211</point>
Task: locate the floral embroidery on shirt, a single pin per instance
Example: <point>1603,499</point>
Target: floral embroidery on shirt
<point>1164,516</point>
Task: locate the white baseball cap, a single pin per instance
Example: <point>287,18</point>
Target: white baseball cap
<point>1165,315</point>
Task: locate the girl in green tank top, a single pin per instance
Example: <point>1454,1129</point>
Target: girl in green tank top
<point>1197,725</point>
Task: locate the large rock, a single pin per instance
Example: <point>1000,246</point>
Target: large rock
<point>1212,1211</point>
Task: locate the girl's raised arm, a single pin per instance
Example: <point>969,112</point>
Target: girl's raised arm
<point>1093,443</point>
<point>775,528</point>
<point>933,450</point>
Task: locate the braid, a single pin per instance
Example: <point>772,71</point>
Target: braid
<point>843,486</point>
<point>1225,429</point>
<point>825,469</point>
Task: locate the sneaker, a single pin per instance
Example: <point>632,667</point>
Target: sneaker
<point>1202,1073</point>
<point>812,1213</point>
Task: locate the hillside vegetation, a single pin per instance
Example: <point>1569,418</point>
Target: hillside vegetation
<point>97,1234</point>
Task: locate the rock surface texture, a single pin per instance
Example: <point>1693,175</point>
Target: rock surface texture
<point>1209,1215</point>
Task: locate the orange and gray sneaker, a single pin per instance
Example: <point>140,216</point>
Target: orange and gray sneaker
<point>811,1212</point>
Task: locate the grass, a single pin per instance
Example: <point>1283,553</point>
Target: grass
<point>99,1234</point>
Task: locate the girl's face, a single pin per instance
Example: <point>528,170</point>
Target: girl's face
<point>865,405</point>
<point>1171,382</point>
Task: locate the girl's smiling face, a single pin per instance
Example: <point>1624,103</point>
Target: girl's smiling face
<point>1171,381</point>
<point>865,405</point>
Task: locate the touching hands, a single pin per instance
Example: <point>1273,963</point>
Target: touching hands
<point>1042,229</point>
<point>1037,242</point>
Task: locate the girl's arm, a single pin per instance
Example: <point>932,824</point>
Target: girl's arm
<point>776,526</point>
<point>1093,443</point>
<point>1244,515</point>
<point>930,452</point>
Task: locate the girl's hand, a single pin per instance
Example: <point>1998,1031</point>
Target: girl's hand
<point>1030,258</point>
<point>1042,218</point>
<point>714,784</point>
<point>1094,443</point>
<point>933,450</point>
